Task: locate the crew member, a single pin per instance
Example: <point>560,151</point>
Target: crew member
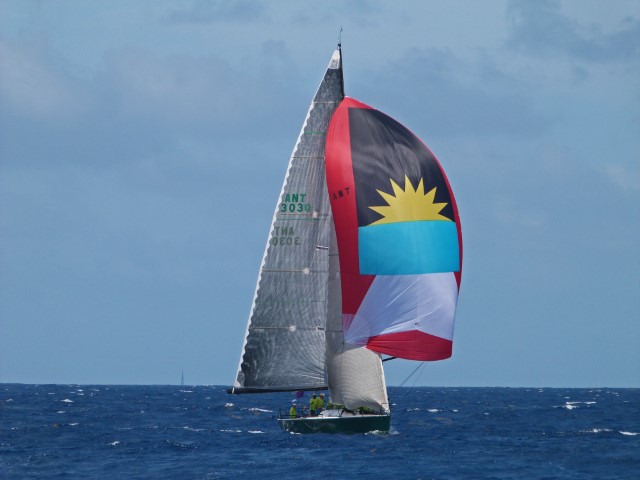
<point>312,405</point>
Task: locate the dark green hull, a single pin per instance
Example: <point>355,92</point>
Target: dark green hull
<point>344,424</point>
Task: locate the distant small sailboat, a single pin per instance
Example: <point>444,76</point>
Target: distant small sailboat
<point>364,258</point>
<point>182,379</point>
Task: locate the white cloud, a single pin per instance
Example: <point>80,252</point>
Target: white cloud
<point>140,105</point>
<point>457,97</point>
<point>507,212</point>
<point>623,177</point>
<point>541,29</point>
<point>212,11</point>
<point>31,87</point>
<point>176,88</point>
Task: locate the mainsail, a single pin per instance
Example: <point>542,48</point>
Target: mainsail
<point>284,346</point>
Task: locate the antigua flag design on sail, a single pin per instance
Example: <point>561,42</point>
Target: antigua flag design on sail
<point>398,235</point>
<point>403,241</point>
<point>415,232</point>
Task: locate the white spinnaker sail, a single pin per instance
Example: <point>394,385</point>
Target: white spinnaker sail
<point>284,346</point>
<point>356,377</point>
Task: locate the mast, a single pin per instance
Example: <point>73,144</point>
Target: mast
<point>340,68</point>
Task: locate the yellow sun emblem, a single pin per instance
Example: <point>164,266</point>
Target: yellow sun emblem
<point>409,205</point>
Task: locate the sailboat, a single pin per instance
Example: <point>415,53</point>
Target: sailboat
<point>363,259</point>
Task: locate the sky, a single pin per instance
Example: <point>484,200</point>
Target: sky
<point>143,146</point>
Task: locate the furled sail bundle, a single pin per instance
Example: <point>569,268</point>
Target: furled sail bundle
<point>398,236</point>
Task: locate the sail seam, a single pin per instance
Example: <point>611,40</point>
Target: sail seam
<point>282,214</point>
<point>315,329</point>
<point>280,302</point>
<point>293,271</point>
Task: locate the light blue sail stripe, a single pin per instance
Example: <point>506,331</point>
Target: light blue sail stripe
<point>408,248</point>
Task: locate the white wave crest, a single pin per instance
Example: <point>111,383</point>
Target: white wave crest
<point>191,429</point>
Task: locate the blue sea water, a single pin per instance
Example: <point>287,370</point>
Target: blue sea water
<point>106,431</point>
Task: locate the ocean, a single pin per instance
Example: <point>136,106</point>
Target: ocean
<point>192,432</point>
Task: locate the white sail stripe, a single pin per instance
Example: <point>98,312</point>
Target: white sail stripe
<point>401,303</point>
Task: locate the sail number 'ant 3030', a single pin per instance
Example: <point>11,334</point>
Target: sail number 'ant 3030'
<point>284,236</point>
<point>294,203</point>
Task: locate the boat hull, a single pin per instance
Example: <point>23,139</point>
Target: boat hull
<point>343,424</point>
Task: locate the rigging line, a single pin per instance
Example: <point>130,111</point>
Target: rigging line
<point>280,270</point>
<point>288,328</point>
<point>421,365</point>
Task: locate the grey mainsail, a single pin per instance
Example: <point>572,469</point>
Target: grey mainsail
<point>284,346</point>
